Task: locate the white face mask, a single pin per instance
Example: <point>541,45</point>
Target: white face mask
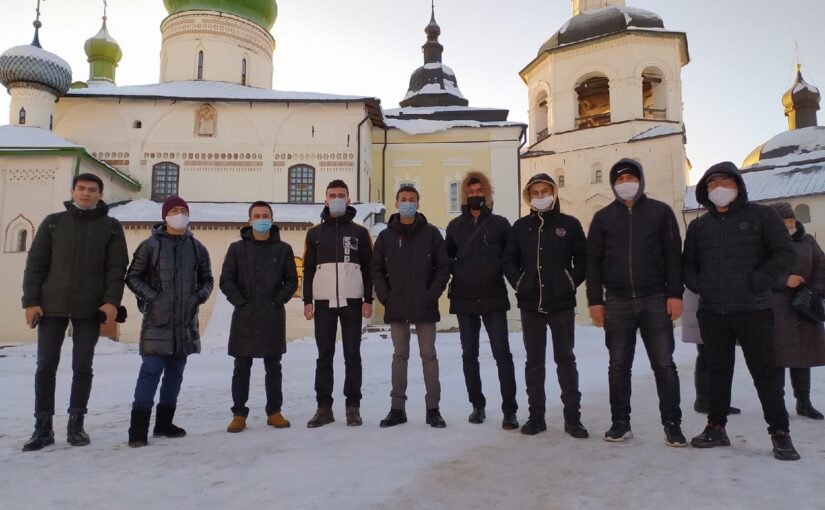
<point>722,197</point>
<point>792,231</point>
<point>543,204</point>
<point>178,222</point>
<point>627,190</point>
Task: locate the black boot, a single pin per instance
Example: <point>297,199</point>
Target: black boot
<point>75,434</point>
<point>783,448</point>
<point>394,417</point>
<point>163,423</point>
<point>139,427</point>
<point>478,415</point>
<point>42,436</point>
<point>434,419</point>
<point>801,382</point>
<point>510,421</point>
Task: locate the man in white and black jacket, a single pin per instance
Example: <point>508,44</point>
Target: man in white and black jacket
<point>634,259</point>
<point>545,262</point>
<point>733,255</point>
<point>337,287</point>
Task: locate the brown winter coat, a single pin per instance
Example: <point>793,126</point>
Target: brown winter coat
<point>799,343</point>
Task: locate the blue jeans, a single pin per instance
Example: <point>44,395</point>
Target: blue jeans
<point>154,365</point>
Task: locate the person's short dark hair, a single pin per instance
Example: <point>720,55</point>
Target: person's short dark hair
<point>88,177</point>
<point>409,189</point>
<point>261,203</point>
<point>472,181</point>
<point>337,183</point>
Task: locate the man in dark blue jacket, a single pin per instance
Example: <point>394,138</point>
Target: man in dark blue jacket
<point>733,255</point>
<point>634,260</point>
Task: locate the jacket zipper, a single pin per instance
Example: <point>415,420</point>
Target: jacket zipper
<point>538,258</point>
<point>630,251</point>
<point>722,263</point>
<point>337,291</point>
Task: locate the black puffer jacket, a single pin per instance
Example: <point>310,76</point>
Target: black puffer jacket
<point>545,257</point>
<point>258,278</point>
<point>410,269</point>
<point>478,285</point>
<point>76,263</point>
<point>172,276</point>
<point>732,259</point>
<point>634,252</point>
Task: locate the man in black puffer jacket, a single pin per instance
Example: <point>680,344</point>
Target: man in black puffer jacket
<point>475,243</point>
<point>545,262</point>
<point>634,257</point>
<point>410,269</point>
<point>733,255</point>
<point>258,278</point>
<point>171,276</point>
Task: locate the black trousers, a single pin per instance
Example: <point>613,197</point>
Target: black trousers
<point>754,331</point>
<point>272,382</point>
<point>496,325</point>
<point>622,318</point>
<point>326,328</point>
<point>562,327</point>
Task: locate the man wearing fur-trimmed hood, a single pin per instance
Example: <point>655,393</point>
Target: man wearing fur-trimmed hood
<point>476,241</point>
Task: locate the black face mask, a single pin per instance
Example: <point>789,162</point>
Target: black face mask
<point>476,203</point>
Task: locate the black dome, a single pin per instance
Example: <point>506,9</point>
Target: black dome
<point>601,22</point>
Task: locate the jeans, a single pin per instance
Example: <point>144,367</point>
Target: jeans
<point>562,327</point>
<point>425,331</point>
<point>153,366</point>
<point>50,335</point>
<point>622,318</point>
<point>326,326</point>
<point>496,325</point>
<point>272,383</point>
<point>754,331</point>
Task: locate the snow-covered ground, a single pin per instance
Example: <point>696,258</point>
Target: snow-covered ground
<point>406,467</point>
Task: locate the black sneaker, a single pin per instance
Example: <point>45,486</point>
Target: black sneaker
<point>783,448</point>
<point>534,426</point>
<point>713,435</point>
<point>509,422</point>
<point>395,417</point>
<point>478,415</point>
<point>674,436</point>
<point>575,429</point>
<point>619,431</point>
<point>434,419</point>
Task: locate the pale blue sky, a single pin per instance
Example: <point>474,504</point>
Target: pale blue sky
<point>742,52</point>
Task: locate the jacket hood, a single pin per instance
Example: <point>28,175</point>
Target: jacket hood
<point>348,215</point>
<point>485,183</point>
<point>274,234</point>
<point>725,167</point>
<point>159,229</point>
<point>525,193</point>
<point>800,231</point>
<point>614,175</point>
<point>395,222</point>
<point>100,209</point>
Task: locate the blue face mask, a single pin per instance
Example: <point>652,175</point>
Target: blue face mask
<point>407,209</point>
<point>262,226</point>
<point>337,207</point>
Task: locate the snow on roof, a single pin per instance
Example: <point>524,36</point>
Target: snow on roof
<point>439,65</point>
<point>147,211</point>
<point>450,87</point>
<point>804,85</point>
<point>21,137</point>
<point>657,132</point>
<point>807,139</point>
<point>429,110</point>
<point>775,184</point>
<point>424,126</point>
<point>210,90</point>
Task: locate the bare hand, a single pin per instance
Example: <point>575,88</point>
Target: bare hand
<point>795,281</point>
<point>366,310</point>
<point>675,307</point>
<point>597,315</point>
<point>110,310</point>
<point>31,311</point>
<point>309,311</point>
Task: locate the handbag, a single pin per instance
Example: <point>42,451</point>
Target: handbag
<point>808,304</point>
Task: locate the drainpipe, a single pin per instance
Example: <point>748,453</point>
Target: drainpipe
<point>358,168</point>
<point>384,169</point>
<point>523,137</point>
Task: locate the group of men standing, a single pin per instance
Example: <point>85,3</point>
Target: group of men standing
<point>631,259</point>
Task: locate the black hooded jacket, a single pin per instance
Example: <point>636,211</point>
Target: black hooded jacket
<point>410,269</point>
<point>732,259</point>
<point>633,252</point>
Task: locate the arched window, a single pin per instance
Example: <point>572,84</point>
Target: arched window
<point>165,178</point>
<point>243,72</point>
<point>22,238</point>
<point>200,65</point>
<point>455,206</point>
<point>802,213</point>
<point>593,96</point>
<point>542,117</point>
<point>301,184</point>
<point>654,94</point>
<point>22,117</point>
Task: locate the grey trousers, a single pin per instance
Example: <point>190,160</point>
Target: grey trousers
<point>425,331</point>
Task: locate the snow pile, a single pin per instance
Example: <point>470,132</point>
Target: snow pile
<point>21,137</point>
<point>657,132</point>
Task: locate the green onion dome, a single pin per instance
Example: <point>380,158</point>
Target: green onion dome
<point>260,12</point>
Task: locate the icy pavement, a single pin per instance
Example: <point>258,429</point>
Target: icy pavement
<point>411,466</point>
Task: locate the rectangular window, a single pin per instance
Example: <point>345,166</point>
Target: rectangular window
<point>302,184</point>
<point>454,202</point>
<point>164,181</point>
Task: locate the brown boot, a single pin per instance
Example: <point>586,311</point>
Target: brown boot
<point>354,416</point>
<point>278,421</point>
<point>237,424</point>
<point>322,416</point>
